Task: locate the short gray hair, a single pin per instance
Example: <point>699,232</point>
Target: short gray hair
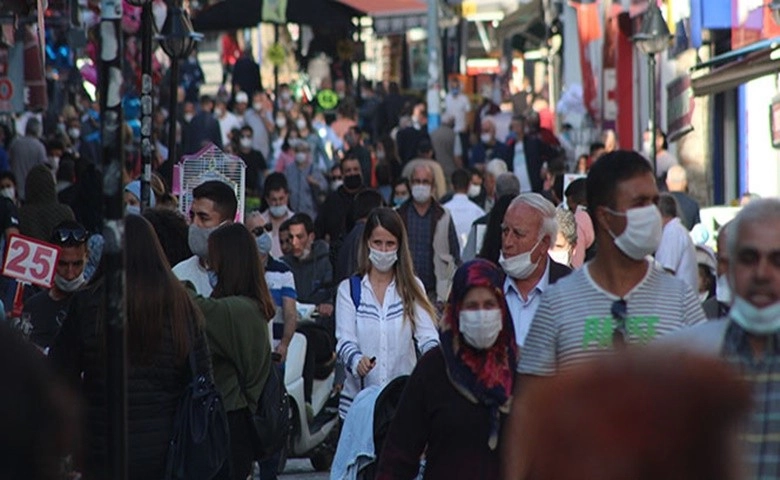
<point>545,208</point>
<point>567,226</point>
<point>507,184</point>
<point>757,211</point>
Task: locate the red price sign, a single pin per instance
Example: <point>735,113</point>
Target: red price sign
<point>30,260</point>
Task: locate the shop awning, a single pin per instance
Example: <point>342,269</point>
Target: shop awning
<point>236,14</point>
<point>527,21</point>
<point>394,17</point>
<point>734,68</point>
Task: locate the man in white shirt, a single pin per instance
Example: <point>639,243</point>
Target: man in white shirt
<point>676,254</point>
<point>227,121</point>
<point>214,204</point>
<point>463,211</point>
<point>277,197</point>
<point>527,233</point>
<point>458,105</point>
<point>260,118</point>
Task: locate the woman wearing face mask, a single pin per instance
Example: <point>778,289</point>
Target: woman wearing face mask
<point>382,314</point>
<point>286,153</point>
<point>237,314</point>
<point>320,157</point>
<point>401,192</point>
<point>455,401</point>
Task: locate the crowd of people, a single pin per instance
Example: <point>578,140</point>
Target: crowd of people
<point>451,256</point>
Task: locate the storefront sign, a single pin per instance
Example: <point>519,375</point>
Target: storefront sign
<point>680,107</point>
<point>774,121</point>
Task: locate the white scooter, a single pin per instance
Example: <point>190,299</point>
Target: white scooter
<point>316,439</point>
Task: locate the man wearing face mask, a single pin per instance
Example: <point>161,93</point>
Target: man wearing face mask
<point>354,148</point>
<point>260,118</point>
<point>488,146</point>
<point>528,231</point>
<point>214,204</point>
<point>616,299</point>
<point>433,241</point>
<point>719,305</point>
<point>47,309</point>
<point>305,181</point>
<point>256,166</point>
<point>747,339</point>
<point>277,197</point>
<point>227,121</point>
<point>333,221</point>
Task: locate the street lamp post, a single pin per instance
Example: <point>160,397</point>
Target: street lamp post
<point>177,40</point>
<point>652,39</point>
<point>110,83</point>
<point>147,148</point>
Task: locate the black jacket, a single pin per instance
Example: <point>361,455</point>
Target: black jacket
<point>153,389</point>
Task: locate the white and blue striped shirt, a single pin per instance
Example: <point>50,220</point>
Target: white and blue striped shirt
<point>379,331</point>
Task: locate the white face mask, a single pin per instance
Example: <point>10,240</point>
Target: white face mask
<point>246,142</point>
<point>278,211</point>
<point>474,190</point>
<point>300,158</point>
<point>646,147</point>
<point>74,133</point>
<point>382,261</point>
<point>421,193</point>
<point>480,328</point>
<point>69,286</point>
<point>281,122</point>
<point>485,137</point>
<point>560,256</point>
<point>520,266</point>
<point>188,117</point>
<point>643,231</point>
<point>380,154</point>
<point>758,321</point>
<point>300,123</point>
<point>257,106</point>
<point>723,290</point>
<point>335,184</point>
<point>8,192</point>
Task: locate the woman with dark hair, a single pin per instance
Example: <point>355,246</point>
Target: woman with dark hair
<point>458,395</point>
<point>382,313</point>
<point>171,228</point>
<point>491,243</point>
<point>401,192</point>
<point>163,325</point>
<point>237,316</point>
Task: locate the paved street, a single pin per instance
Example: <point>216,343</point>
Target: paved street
<point>300,468</point>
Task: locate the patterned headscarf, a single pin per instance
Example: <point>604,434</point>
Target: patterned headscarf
<point>482,376</point>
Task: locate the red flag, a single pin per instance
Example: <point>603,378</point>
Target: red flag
<point>588,30</point>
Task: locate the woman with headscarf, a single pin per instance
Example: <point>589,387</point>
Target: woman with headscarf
<point>456,398</point>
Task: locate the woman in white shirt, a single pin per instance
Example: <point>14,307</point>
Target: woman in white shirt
<point>382,313</point>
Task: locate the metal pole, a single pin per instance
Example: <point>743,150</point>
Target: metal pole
<point>174,88</point>
<point>147,147</point>
<point>651,122</point>
<point>113,314</point>
<point>276,70</point>
<point>434,68</point>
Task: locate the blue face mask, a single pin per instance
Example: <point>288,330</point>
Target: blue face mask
<point>132,210</point>
<point>212,278</point>
<point>398,201</point>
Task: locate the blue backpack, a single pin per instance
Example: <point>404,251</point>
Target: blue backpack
<point>354,290</point>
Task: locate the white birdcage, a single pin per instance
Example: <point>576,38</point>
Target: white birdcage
<point>210,163</point>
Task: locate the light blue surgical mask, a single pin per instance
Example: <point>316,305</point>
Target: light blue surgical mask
<point>758,321</point>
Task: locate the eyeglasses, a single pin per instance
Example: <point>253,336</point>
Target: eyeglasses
<point>257,231</point>
<point>619,313</point>
<point>65,235</point>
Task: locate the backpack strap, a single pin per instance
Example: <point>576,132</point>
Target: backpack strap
<point>354,290</point>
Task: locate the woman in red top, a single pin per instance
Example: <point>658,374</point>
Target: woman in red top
<point>230,53</point>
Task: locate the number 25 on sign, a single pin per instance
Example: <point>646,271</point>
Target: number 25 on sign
<point>30,261</point>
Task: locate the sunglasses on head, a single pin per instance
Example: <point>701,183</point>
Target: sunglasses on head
<point>66,235</point>
<point>619,313</point>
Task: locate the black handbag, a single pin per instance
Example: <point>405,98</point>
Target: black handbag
<point>200,446</point>
<point>270,424</point>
